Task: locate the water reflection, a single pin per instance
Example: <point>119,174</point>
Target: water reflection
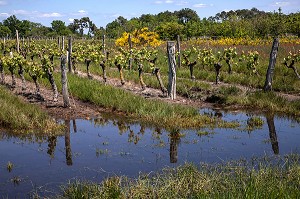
<point>272,133</point>
<point>68,143</point>
<point>174,141</point>
<point>51,145</point>
<point>127,148</point>
<point>74,126</point>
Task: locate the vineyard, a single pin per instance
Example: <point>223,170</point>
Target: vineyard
<point>203,68</point>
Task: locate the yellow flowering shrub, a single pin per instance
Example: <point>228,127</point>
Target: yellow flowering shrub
<point>141,37</point>
<point>245,41</point>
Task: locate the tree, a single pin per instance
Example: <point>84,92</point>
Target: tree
<point>4,30</point>
<point>58,27</point>
<point>80,25</point>
<point>12,23</point>
<point>114,29</point>
<point>185,15</point>
<point>169,30</point>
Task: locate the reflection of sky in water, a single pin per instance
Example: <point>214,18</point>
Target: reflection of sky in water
<point>115,148</point>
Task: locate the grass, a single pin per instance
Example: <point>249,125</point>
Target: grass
<point>155,112</point>
<point>267,101</point>
<point>259,178</point>
<point>17,115</point>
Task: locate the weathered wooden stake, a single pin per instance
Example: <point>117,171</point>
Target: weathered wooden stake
<point>88,62</point>
<point>2,80</point>
<point>178,51</point>
<point>70,55</point>
<point>172,70</point>
<point>58,43</point>
<point>217,66</point>
<point>141,76</point>
<point>130,51</point>
<point>103,45</point>
<point>18,41</point>
<point>63,43</point>
<point>64,82</point>
<point>271,68</point>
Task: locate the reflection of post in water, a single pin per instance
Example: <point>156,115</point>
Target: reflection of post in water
<point>272,133</point>
<point>74,126</point>
<point>68,143</point>
<point>51,145</point>
<point>174,141</point>
<point>142,130</point>
<point>122,127</point>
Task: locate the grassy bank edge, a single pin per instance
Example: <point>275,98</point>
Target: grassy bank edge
<point>17,115</point>
<point>261,178</point>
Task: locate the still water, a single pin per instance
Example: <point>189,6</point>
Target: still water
<point>98,148</point>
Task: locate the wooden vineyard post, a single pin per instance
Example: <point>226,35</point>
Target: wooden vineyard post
<point>21,69</point>
<point>130,51</point>
<point>70,55</point>
<point>178,51</point>
<point>58,42</point>
<point>172,70</point>
<point>217,66</point>
<point>18,41</point>
<point>64,82</point>
<point>271,67</point>
<point>141,76</point>
<point>103,45</point>
<point>88,62</point>
<point>63,43</point>
<point>2,80</point>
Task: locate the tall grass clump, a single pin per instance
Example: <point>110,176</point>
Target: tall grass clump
<point>18,115</point>
<point>262,178</point>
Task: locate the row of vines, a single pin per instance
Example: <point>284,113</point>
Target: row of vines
<point>37,59</point>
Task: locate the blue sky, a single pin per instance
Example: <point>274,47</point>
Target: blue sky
<point>102,12</point>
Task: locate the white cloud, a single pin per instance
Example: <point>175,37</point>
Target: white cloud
<point>166,2</point>
<point>3,3</point>
<point>21,12</point>
<point>202,5</point>
<point>4,14</point>
<point>71,20</point>
<point>181,3</point>
<point>281,3</point>
<point>54,14</point>
<point>80,13</point>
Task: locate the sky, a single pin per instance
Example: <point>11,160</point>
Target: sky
<point>102,12</point>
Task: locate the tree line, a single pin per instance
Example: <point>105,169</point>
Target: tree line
<point>251,23</point>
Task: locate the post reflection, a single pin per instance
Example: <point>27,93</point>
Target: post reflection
<point>272,133</point>
<point>68,143</point>
<point>51,145</point>
<point>74,126</point>
<point>174,142</point>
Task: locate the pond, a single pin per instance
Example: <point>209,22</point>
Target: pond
<point>94,149</point>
